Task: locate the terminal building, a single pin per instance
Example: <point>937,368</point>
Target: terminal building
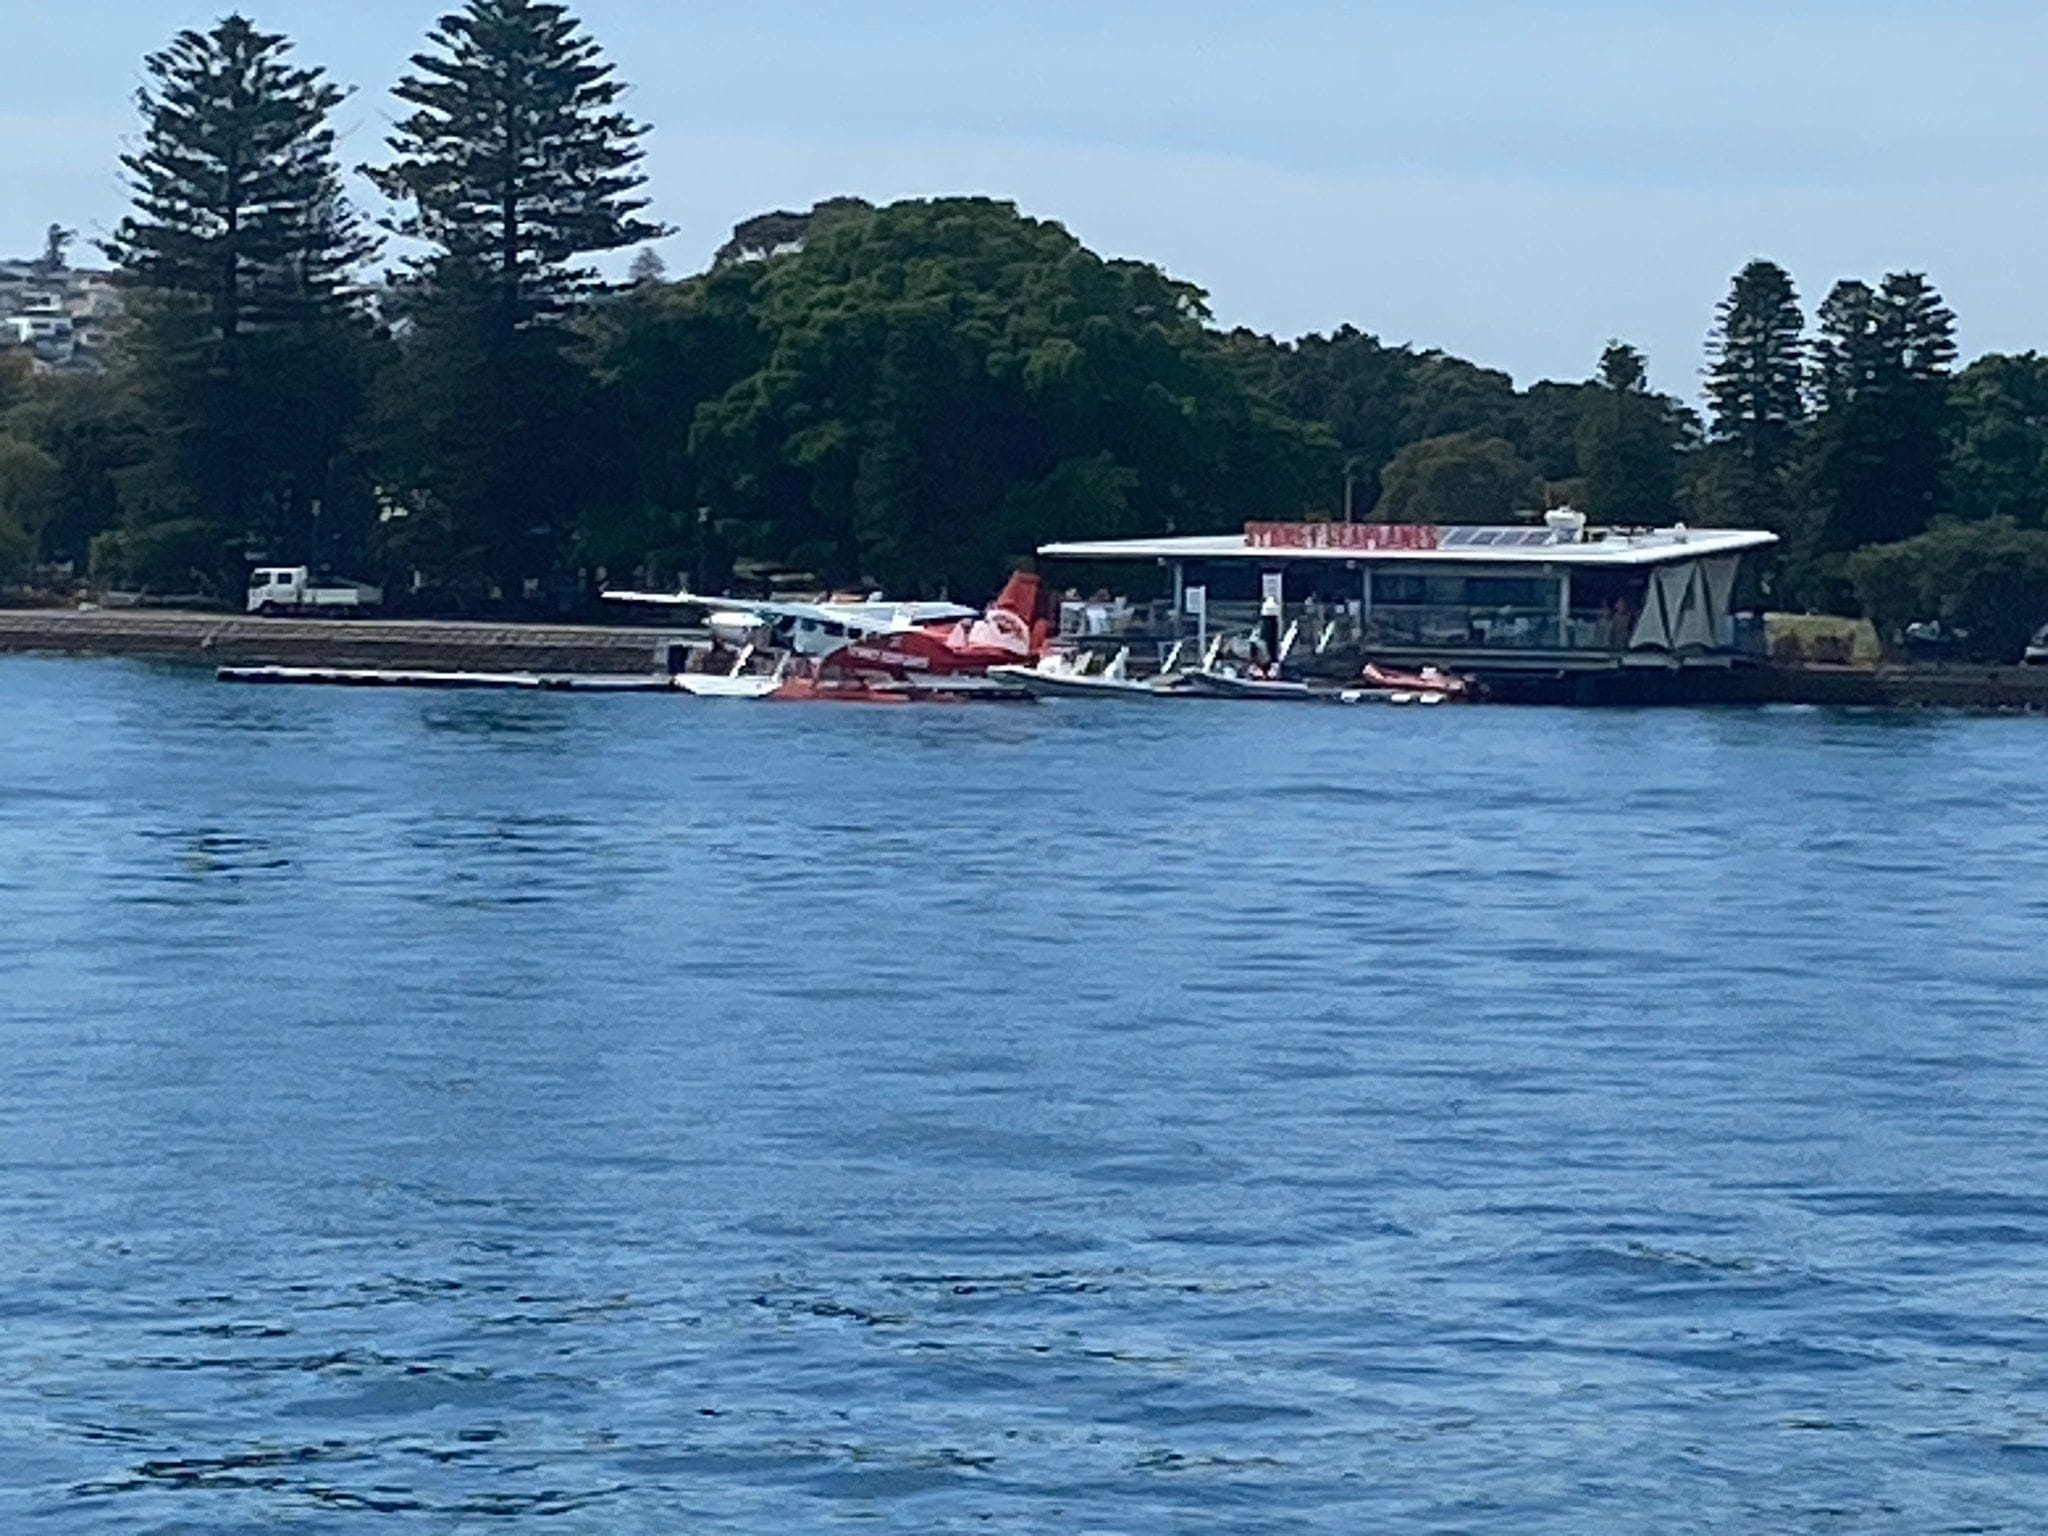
<point>1556,608</point>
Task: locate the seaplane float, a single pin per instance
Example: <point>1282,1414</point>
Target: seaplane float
<point>866,650</point>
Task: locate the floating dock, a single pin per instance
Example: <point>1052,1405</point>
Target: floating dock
<point>384,677</point>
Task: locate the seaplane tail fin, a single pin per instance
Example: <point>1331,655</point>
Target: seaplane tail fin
<point>1019,596</point>
<point>1011,624</point>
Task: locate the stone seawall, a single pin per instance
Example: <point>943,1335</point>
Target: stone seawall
<point>232,640</point>
<point>1904,687</point>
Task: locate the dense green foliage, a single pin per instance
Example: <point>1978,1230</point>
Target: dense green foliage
<point>1629,441</point>
<point>28,487</point>
<point>943,385</point>
<point>1998,460</point>
<point>1986,582</point>
<point>1460,477</point>
<point>910,396</point>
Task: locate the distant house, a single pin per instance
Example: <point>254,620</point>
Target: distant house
<point>32,330</point>
<point>62,315</point>
<point>51,339</point>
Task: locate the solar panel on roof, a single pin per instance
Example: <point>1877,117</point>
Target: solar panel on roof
<point>1499,538</point>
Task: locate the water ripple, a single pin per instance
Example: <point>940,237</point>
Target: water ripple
<point>429,1112</point>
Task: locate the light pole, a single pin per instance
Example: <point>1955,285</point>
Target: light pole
<point>1350,475</point>
<point>703,538</point>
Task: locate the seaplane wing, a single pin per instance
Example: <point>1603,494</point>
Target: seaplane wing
<point>878,617</point>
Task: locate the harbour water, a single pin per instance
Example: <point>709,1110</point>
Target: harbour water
<point>431,1113</point>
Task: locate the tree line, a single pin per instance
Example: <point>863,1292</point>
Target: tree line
<point>911,396</point>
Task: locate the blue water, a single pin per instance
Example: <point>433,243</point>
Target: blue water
<point>434,1113</point>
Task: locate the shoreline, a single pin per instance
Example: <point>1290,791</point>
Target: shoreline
<point>587,650</point>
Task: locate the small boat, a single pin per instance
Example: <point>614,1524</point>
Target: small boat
<point>1447,685</point>
<point>1221,683</point>
<point>1074,675</point>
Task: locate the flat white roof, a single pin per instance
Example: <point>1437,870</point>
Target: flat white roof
<point>1488,546</point>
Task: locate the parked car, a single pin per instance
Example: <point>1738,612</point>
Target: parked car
<point>1933,641</point>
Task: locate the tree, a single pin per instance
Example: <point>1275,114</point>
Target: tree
<point>944,385</point>
<point>1998,464</point>
<point>1357,387</point>
<point>28,487</point>
<point>1756,385</point>
<point>94,427</point>
<point>237,256</point>
<point>17,370</point>
<point>1447,394</point>
<point>238,200</point>
<point>782,232</point>
<point>1624,370</point>
<point>1629,441</point>
<point>515,168</point>
<point>1879,378</point>
<point>1918,329</point>
<point>56,247</point>
<point>1550,414</point>
<point>1988,581</point>
<point>648,267</point>
<point>1462,477</point>
<point>515,163</point>
<point>658,354</point>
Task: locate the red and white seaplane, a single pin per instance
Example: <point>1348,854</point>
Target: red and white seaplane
<point>869,650</point>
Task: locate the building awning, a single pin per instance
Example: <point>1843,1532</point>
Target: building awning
<point>1397,543</point>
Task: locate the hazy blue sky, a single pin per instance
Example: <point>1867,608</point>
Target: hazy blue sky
<point>1512,181</point>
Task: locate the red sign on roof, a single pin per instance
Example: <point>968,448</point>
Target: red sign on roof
<point>1359,536</point>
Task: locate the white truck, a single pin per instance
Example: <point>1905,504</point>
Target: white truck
<point>277,589</point>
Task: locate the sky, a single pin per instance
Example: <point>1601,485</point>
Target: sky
<point>1515,181</point>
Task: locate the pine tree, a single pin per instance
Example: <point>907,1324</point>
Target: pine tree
<point>237,193</point>
<point>1628,443</point>
<point>515,167</point>
<point>238,255</point>
<point>648,269</point>
<point>1846,361</point>
<point>1623,369</point>
<point>1918,328</point>
<point>515,162</point>
<point>1756,380</point>
<point>1879,377</point>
